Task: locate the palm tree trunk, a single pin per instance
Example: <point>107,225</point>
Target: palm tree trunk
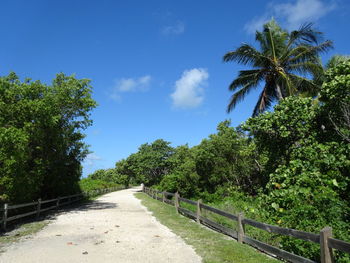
<point>279,92</point>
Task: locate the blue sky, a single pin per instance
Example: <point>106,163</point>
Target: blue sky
<point>156,66</point>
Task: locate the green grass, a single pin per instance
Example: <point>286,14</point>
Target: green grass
<point>213,247</point>
<point>20,232</point>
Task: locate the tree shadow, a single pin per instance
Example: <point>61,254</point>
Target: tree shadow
<point>95,205</point>
<point>78,207</point>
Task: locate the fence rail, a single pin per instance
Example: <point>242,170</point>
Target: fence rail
<point>58,202</point>
<point>327,243</point>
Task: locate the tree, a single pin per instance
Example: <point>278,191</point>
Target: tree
<point>41,145</point>
<point>182,176</point>
<point>226,159</point>
<point>335,95</point>
<point>283,63</point>
<point>149,164</point>
<point>308,165</point>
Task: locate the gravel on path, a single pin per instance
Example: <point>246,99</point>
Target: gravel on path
<point>114,228</point>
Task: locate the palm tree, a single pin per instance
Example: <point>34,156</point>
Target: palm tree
<point>283,63</point>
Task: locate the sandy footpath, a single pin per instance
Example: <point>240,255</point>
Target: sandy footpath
<point>114,228</point>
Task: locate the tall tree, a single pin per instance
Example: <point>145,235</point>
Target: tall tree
<point>41,139</point>
<point>283,63</point>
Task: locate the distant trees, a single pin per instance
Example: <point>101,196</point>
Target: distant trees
<point>149,164</point>
<point>41,136</point>
<point>282,64</point>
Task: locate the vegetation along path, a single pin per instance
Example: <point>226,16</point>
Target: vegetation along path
<point>114,228</point>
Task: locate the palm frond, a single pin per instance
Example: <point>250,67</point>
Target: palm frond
<point>307,52</point>
<point>245,77</point>
<point>304,68</point>
<point>304,85</point>
<point>245,54</point>
<point>239,96</point>
<point>305,34</point>
<point>260,37</point>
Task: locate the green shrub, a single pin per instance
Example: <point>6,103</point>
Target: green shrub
<point>88,184</point>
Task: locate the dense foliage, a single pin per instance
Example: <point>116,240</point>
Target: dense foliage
<point>41,145</point>
<point>88,184</point>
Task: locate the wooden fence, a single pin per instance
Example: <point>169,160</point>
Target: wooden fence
<point>40,206</point>
<point>324,238</point>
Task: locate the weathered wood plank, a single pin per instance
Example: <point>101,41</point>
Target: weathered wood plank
<point>339,244</point>
<point>176,202</point>
<point>21,205</point>
<point>187,212</point>
<point>240,228</point>
<point>188,201</point>
<point>219,212</point>
<point>284,231</point>
<point>169,194</point>
<point>198,211</point>
<point>21,215</point>
<point>4,218</point>
<point>276,251</point>
<point>48,201</point>
<point>225,230</point>
<point>326,252</point>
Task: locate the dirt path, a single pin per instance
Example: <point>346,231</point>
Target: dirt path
<point>114,228</point>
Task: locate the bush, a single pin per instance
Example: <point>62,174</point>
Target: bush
<point>88,184</point>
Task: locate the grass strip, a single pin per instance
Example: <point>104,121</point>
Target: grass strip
<point>213,247</point>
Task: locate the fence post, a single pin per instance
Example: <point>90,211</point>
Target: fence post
<point>326,252</point>
<point>199,211</point>
<point>5,217</point>
<point>177,202</point>
<point>240,230</point>
<point>163,197</point>
<point>38,208</point>
<point>58,202</point>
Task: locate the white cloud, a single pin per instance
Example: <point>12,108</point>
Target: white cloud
<point>292,14</point>
<point>189,91</point>
<point>176,29</point>
<point>91,159</point>
<point>303,11</point>
<point>130,85</point>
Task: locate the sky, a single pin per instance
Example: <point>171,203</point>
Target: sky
<point>155,66</point>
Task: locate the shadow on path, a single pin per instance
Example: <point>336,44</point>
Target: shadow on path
<point>78,207</point>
